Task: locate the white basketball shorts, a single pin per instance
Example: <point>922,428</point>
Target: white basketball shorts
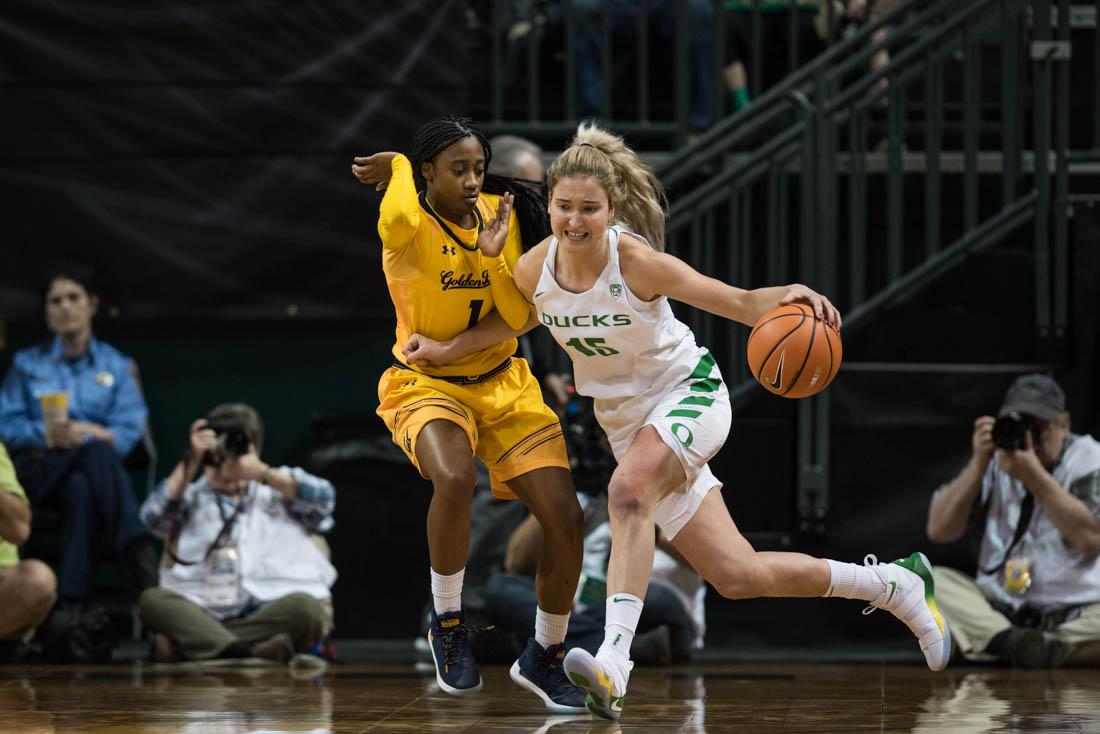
<point>693,418</point>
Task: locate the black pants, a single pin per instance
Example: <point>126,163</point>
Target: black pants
<point>512,603</point>
<point>90,487</point>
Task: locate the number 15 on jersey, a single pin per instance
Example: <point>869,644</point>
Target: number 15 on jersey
<point>592,347</point>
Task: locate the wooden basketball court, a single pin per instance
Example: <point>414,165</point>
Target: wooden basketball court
<point>766,698</point>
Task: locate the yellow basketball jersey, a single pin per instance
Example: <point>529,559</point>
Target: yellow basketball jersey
<point>438,281</point>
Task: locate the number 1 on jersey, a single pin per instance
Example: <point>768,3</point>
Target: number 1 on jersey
<point>475,312</point>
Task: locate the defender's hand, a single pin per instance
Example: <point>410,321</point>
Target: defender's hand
<point>491,239</point>
<point>374,169</point>
<point>423,351</point>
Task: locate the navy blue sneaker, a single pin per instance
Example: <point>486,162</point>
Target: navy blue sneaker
<point>540,671</point>
<point>455,668</point>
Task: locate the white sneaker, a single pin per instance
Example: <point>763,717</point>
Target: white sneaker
<point>604,685</point>
<point>909,595</point>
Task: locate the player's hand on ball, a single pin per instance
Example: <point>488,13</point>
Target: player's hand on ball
<point>374,169</point>
<point>823,308</point>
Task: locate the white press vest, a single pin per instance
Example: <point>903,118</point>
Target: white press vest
<point>1060,575</point>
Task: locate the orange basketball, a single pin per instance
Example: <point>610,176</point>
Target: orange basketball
<point>793,354</point>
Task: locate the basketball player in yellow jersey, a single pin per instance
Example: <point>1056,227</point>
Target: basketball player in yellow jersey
<point>448,247</point>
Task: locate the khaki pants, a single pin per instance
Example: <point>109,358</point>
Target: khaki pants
<point>974,622</point>
<point>199,636</point>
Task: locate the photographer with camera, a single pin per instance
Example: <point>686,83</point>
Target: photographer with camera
<point>1033,490</point>
<point>246,578</point>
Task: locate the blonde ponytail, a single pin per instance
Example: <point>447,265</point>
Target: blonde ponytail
<point>633,190</point>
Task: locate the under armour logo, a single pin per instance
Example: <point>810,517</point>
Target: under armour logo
<point>445,249</point>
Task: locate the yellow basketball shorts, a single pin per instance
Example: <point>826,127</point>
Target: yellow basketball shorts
<point>509,426</point>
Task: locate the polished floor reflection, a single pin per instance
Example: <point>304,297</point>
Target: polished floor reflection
<point>754,698</point>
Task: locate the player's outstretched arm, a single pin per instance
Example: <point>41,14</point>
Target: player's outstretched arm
<point>490,331</point>
<point>650,274</point>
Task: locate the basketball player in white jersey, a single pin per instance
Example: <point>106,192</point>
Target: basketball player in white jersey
<point>601,285</point>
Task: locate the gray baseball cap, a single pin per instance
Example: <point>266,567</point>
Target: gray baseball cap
<point>1036,395</point>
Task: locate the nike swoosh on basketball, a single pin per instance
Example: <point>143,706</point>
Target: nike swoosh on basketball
<point>779,370</point>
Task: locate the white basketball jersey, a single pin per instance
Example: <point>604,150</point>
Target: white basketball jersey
<point>620,345</point>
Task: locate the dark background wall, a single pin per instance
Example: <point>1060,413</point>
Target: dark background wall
<point>200,152</point>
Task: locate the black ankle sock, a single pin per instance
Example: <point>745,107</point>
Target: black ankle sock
<point>237,649</point>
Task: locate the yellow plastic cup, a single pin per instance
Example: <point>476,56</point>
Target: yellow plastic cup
<point>55,409</point>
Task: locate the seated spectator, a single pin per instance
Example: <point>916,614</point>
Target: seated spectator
<point>246,578</point>
<point>1032,489</point>
<point>70,412</point>
<point>27,588</point>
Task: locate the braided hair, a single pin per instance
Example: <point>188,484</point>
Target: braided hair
<point>440,133</point>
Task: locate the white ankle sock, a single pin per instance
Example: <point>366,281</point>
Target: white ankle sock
<point>550,628</point>
<point>623,612</point>
<point>852,581</point>
<point>447,592</point>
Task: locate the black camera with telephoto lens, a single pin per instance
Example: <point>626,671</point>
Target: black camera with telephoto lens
<point>1011,429</point>
<point>232,441</point>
